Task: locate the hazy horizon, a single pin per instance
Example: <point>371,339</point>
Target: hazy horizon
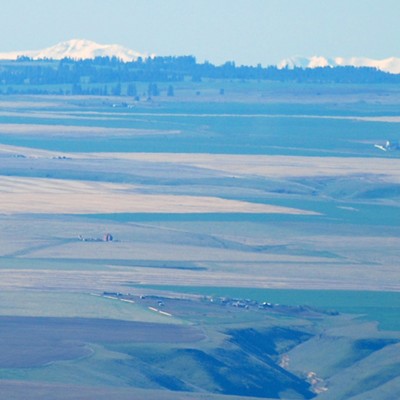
<point>259,31</point>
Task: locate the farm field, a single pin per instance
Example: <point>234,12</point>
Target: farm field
<point>201,246</point>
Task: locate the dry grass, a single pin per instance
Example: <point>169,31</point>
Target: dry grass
<point>276,166</point>
<point>52,196</point>
<point>317,276</point>
<point>64,130</point>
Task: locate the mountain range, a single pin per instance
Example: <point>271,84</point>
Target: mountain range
<point>87,49</point>
<point>391,64</point>
<point>77,49</point>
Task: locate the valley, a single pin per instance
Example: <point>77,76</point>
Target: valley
<point>201,246</point>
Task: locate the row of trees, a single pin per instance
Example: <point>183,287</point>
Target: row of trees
<point>115,89</point>
<point>105,70</point>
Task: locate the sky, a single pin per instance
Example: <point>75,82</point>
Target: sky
<point>245,31</point>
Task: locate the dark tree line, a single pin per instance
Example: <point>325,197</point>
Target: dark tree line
<point>106,74</point>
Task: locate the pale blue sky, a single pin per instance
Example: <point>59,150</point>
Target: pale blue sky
<point>246,31</point>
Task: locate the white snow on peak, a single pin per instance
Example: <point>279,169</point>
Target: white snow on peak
<point>391,64</point>
<point>77,49</point>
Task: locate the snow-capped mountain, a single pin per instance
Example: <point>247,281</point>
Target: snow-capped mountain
<point>77,49</point>
<point>391,64</point>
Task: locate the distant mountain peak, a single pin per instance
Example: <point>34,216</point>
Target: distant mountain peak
<point>391,64</point>
<point>77,49</point>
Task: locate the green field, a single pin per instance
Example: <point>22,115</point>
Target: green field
<point>383,307</point>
